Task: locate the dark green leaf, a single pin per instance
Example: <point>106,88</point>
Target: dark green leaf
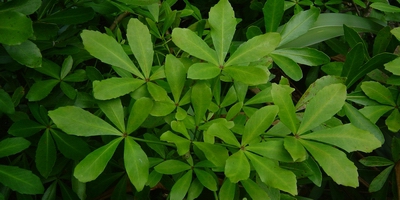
<point>273,13</point>
<point>68,90</point>
<point>139,2</point>
<point>6,103</point>
<point>25,128</point>
<point>227,190</point>
<point>172,167</point>
<point>41,89</point>
<point>136,163</point>
<point>352,37</point>
<point>15,28</point>
<point>50,192</point>
<point>181,186</point>
<point>354,59</point>
<point>376,161</point>
<point>26,53</point>
<point>45,154</point>
<point>20,180</point>
<point>305,56</point>
<point>67,192</point>
<point>382,40</point>
<point>11,146</point>
<point>26,7</point>
<point>71,16</point>
<point>70,146</point>
<point>115,87</point>
<point>253,31</point>
<point>66,67</point>
<point>380,180</point>
<point>250,75</point>
<point>196,188</point>
<point>49,68</point>
<point>206,179</point>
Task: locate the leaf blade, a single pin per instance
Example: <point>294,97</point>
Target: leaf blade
<point>136,163</point>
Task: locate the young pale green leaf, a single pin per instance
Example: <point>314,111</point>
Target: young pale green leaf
<point>21,180</point>
<point>393,66</point>
<point>15,28</point>
<point>11,146</point>
<point>45,158</point>
<point>272,175</point>
<point>182,144</point>
<point>175,72</point>
<point>360,121</point>
<point>334,162</point>
<point>261,97</point>
<point>6,103</point>
<point>258,123</point>
<point>136,163</point>
<point>70,146</point>
<point>298,25</point>
<point>380,180</point>
<point>291,68</point>
<point>222,132</point>
<point>237,167</point>
<point>76,121</point>
<point>378,92</point>
<point>273,149</point>
<point>326,103</point>
<point>214,153</point>
<point>201,99</point>
<point>393,121</point>
<point>250,75</point>
<point>273,13</point>
<point>139,39</point>
<point>108,50</point>
<point>396,32</point>
<point>222,24</point>
<point>254,190</point>
<point>203,71</point>
<point>305,56</point>
<point>115,87</point>
<point>347,137</point>
<point>41,89</point>
<point>385,7</point>
<point>95,163</point>
<point>227,190</point>
<point>181,186</point>
<point>172,167</point>
<point>376,161</point>
<point>66,67</point>
<point>114,111</point>
<point>25,128</point>
<point>188,41</point>
<point>26,53</point>
<point>295,149</point>
<point>287,113</point>
<point>206,179</point>
<point>139,112</point>
<point>234,110</point>
<point>254,49</point>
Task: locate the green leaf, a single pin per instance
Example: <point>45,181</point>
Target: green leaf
<point>254,49</point>
<point>206,179</point>
<point>382,40</point>
<point>71,16</point>
<point>139,2</point>
<point>181,186</point>
<point>254,190</point>
<point>393,121</point>
<point>393,66</point>
<point>67,192</point>
<point>172,167</point>
<point>15,28</point>
<point>26,7</point>
<point>162,108</point>
<point>141,45</point>
<point>180,127</point>
<point>250,75</point>
<point>115,87</point>
<point>261,97</point>
<point>378,92</point>
<point>347,137</point>
<point>258,123</point>
<point>273,13</point>
<point>203,71</point>
<point>201,99</point>
<point>305,56</point>
<point>95,163</point>
<point>222,132</point>
<point>196,188</point>
<point>272,175</point>
<point>139,112</point>
<point>68,90</point>
<point>66,67</point>
<point>380,180</point>
<point>326,103</point>
<point>136,163</point>
<point>70,146</point>
<point>376,161</point>
<point>157,92</point>
<point>20,180</point>
<point>25,128</point>
<point>11,146</point>
<point>182,144</point>
<point>76,121</point>
<point>298,25</point>
<point>295,149</point>
<point>360,121</point>
<point>6,103</point>
<point>175,72</point>
<point>237,167</point>
<point>188,41</point>
<point>354,59</point>
<point>45,154</point>
<point>385,7</point>
<point>222,24</point>
<point>41,89</point>
<point>353,38</point>
<point>108,50</point>
<point>334,162</point>
<point>114,111</point>
<point>234,110</point>
<point>396,32</point>
<point>26,53</point>
<point>214,153</point>
<point>50,192</point>
<point>287,113</point>
<point>291,68</point>
<point>227,190</point>
<point>273,149</point>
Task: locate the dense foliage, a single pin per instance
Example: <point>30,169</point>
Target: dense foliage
<point>150,99</point>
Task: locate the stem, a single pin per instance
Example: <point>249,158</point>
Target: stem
<point>154,142</point>
<point>119,18</point>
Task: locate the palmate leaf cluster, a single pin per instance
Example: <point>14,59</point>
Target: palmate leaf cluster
<point>194,110</point>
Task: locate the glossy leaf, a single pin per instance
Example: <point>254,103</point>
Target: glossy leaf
<point>15,28</point>
<point>172,167</point>
<point>237,167</point>
<point>206,179</point>
<point>258,123</point>
<point>138,114</point>
<point>376,161</point>
<point>295,149</point>
<point>41,89</point>
<point>188,41</point>
<point>250,75</point>
<point>175,72</point>
<point>114,111</point>
<point>222,132</point>
<point>11,146</point>
<point>347,137</point>
<point>393,121</point>
<point>203,71</point>
<point>45,154</point>
<point>182,144</point>
<point>378,92</point>
<point>115,87</point>
<point>214,153</point>
<point>254,49</point>
<point>334,162</point>
<point>181,186</point>
<point>108,50</point>
<point>222,24</point>
<point>327,102</point>
<point>136,163</point>
<point>6,103</point>
<point>380,180</point>
<point>76,121</point>
<point>20,180</point>
<point>291,68</point>
<point>70,146</point>
<point>26,53</point>
<point>141,45</point>
<point>95,163</point>
<point>273,149</point>
<point>254,190</point>
<point>273,13</point>
<point>305,56</point>
<point>201,99</point>
<point>287,113</point>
